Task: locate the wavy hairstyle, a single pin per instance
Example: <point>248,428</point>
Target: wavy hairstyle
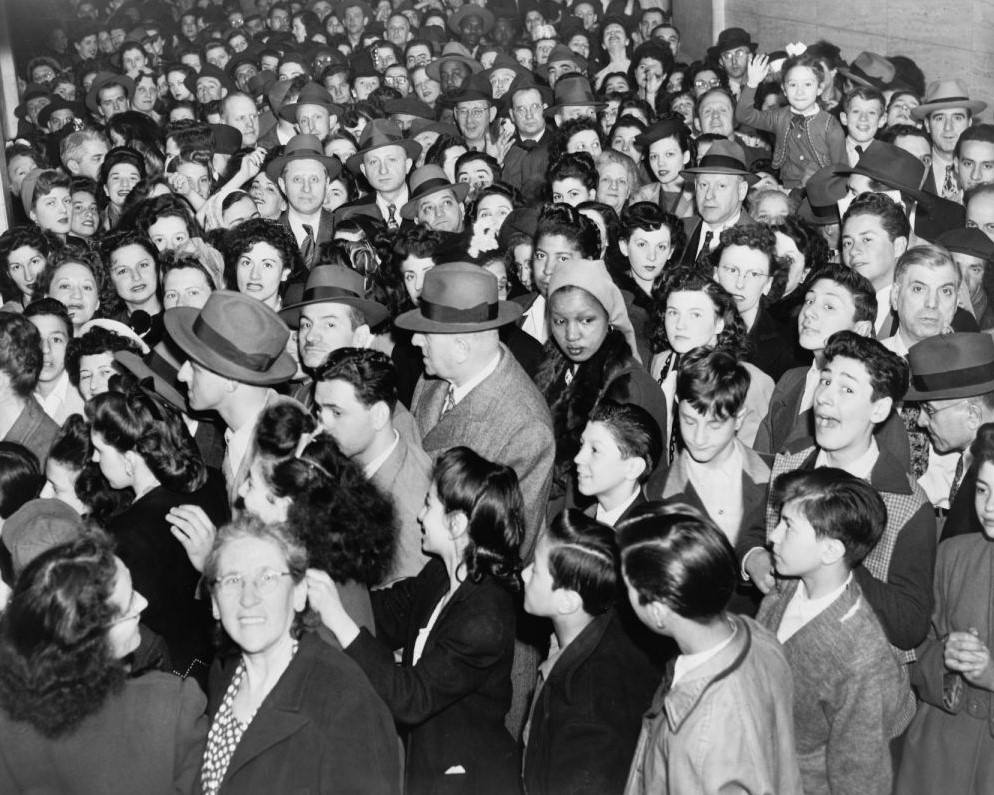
<point>106,292</point>
<point>31,235</point>
<point>489,496</point>
<point>20,477</point>
<point>239,240</point>
<point>57,666</point>
<point>583,557</point>
<point>145,423</point>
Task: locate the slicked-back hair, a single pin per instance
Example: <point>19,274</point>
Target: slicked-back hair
<point>583,558</point>
<point>673,554</point>
<point>837,505</point>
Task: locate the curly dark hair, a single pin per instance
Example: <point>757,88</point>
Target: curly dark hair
<point>56,662</point>
<point>72,449</point>
<point>106,294</point>
<point>561,138</point>
<point>96,340</point>
<point>149,211</point>
<point>733,338</point>
<point>259,230</point>
<point>416,241</point>
<point>490,497</point>
<point>121,239</point>
<point>45,243</point>
<point>20,352</point>
<point>20,477</point>
<point>145,423</point>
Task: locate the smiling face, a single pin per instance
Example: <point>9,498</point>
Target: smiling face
<point>601,470</point>
<point>945,128</point>
<point>579,323</point>
<point>135,276</point>
<point>666,160</point>
<point>76,287</point>
<point>691,321</point>
<point>844,409</point>
<point>863,119</point>
<point>121,178</point>
<point>802,87</point>
<point>715,114</point>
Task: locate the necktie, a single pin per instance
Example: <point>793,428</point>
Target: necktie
<point>950,188</point>
<point>392,216</point>
<point>859,149</point>
<point>308,249</point>
<point>957,480</point>
<point>450,401</point>
<point>708,237</point>
<point>527,145</point>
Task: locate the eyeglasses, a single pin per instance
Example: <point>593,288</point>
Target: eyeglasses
<point>707,83</point>
<point>734,272</point>
<point>931,411</point>
<point>473,113</point>
<point>264,582</point>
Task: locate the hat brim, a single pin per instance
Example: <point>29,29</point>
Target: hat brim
<point>410,210</point>
<point>748,176</point>
<point>433,69</point>
<point>551,111</point>
<point>411,147</point>
<point>135,365</point>
<point>714,52</point>
<point>879,176</point>
<point>472,10</point>
<point>507,312</point>
<point>179,323</point>
<point>806,212</point>
<point>331,164</point>
<point>289,112</point>
<point>949,393</point>
<point>375,312</point>
<point>975,106</point>
<point>91,96</point>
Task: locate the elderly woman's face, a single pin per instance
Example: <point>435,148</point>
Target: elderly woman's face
<point>253,596</point>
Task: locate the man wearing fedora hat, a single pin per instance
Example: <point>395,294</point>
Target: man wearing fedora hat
<point>952,376</point>
<point>314,112</point>
<point>109,95</point>
<point>731,52</point>
<point>946,111</point>
<point>303,172</point>
<point>237,352</point>
<point>474,392</point>
<point>453,67</point>
<point>384,158</point>
<point>435,202</point>
<point>721,184</point>
<point>471,23</point>
<point>574,99</point>
<point>527,158</point>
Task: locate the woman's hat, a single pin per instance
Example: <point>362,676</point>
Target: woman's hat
<point>335,284</point>
<point>427,180</point>
<point>950,366</point>
<point>945,94</point>
<point>36,527</point>
<point>379,133</point>
<point>724,157</point>
<point>470,10</point>
<point>303,147</point>
<point>458,297</point>
<point>886,163</point>
<point>234,336</point>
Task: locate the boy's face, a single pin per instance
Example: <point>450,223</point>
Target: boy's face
<point>828,307</point>
<point>797,550</point>
<point>541,597</point>
<point>863,119</point>
<point>705,436</point>
<point>601,470</point>
<point>844,408</point>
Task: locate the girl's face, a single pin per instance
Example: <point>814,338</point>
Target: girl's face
<point>259,498</point>
<point>691,321</point>
<point>624,141</point>
<point>121,178</point>
<point>802,88</point>
<point>168,233</point>
<point>617,83</point>
<point>585,141</point>
<point>614,185</point>
<point>113,463</point>
<point>649,72</point>
<point>580,44</point>
<point>24,264</point>
<point>579,323</point>
<point>134,274</point>
<point>667,160</point>
<point>413,270</point>
<point>551,252</point>
<point>492,210</point>
<point>53,211</point>
<point>185,287</point>
<point>85,215</point>
<point>260,273</point>
<point>266,194</point>
<point>60,484</point>
<point>76,287</point>
<point>435,525</point>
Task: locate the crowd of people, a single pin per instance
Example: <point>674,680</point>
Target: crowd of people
<point>491,398</point>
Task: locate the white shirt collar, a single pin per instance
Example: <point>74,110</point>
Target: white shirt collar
<point>883,307</point>
<point>374,466</point>
<point>459,392</point>
<point>801,610</point>
<point>611,517</point>
<point>384,206</point>
<point>686,663</point>
<point>861,467</point>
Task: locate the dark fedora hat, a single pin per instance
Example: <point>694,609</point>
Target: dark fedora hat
<point>236,337</point>
<point>664,128</point>
<point>335,284</point>
<point>729,39</point>
<point>427,180</point>
<point>561,54</point>
<point>950,366</point>
<point>227,139</point>
<point>724,157</point>
<point>891,166</point>
<point>572,90</point>
<point>870,69</point>
<point>822,191</point>
<point>311,94</point>
<point>969,241</point>
<point>409,106</point>
<point>379,133</point>
<point>102,80</point>
<point>459,297</point>
<point>303,147</point>
<point>471,10</point>
<point>57,103</point>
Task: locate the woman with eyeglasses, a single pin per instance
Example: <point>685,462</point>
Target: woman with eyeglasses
<point>71,719</point>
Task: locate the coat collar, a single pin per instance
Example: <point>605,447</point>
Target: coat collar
<point>753,468</point>
<point>887,474</point>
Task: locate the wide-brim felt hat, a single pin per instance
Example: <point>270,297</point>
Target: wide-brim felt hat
<point>105,78</point>
<point>477,88</point>
<point>458,298</point>
<point>943,95</point>
<point>335,284</point>
<point>729,39</point>
<point>524,82</point>
<point>409,106</point>
<point>135,365</point>
<point>57,103</point>
<point>227,139</point>
<point>561,53</point>
<point>311,94</point>
<point>367,9</point>
<point>33,91</point>
<point>453,51</point>
<point>505,61</point>
<point>892,166</point>
<point>419,126</point>
<point>822,192</point>
<point>427,180</point>
<point>377,134</point>
<point>951,366</point>
<point>241,59</point>
<point>303,147</point>
<point>572,90</point>
<point>236,337</point>
<point>471,10</point>
<point>870,69</point>
<point>724,157</point>
<point>657,131</point>
<point>970,241</point>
